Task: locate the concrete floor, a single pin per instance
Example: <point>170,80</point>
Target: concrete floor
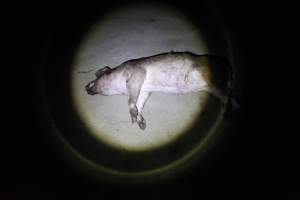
<point>128,33</point>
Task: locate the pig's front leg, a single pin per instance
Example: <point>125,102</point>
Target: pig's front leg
<point>134,84</point>
<point>140,105</point>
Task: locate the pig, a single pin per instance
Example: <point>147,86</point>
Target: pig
<point>170,73</point>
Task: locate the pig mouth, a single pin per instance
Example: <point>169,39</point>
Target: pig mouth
<point>90,88</point>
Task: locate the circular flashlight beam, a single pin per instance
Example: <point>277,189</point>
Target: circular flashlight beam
<point>89,166</point>
<point>132,32</point>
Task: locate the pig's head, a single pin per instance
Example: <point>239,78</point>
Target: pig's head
<point>94,87</point>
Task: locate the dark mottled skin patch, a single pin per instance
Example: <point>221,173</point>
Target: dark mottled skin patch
<point>215,71</point>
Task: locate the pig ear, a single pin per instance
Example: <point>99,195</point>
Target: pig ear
<point>101,71</point>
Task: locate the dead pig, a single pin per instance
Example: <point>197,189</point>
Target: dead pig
<point>171,73</point>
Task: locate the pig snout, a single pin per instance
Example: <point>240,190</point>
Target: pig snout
<point>91,88</point>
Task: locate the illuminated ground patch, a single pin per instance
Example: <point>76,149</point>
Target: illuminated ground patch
<point>128,33</point>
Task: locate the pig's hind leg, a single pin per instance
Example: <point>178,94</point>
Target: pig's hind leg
<point>220,94</point>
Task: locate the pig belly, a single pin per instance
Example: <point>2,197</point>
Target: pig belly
<point>177,83</point>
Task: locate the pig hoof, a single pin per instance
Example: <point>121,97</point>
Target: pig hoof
<point>134,114</point>
<point>141,122</point>
<point>142,125</point>
<point>133,119</point>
